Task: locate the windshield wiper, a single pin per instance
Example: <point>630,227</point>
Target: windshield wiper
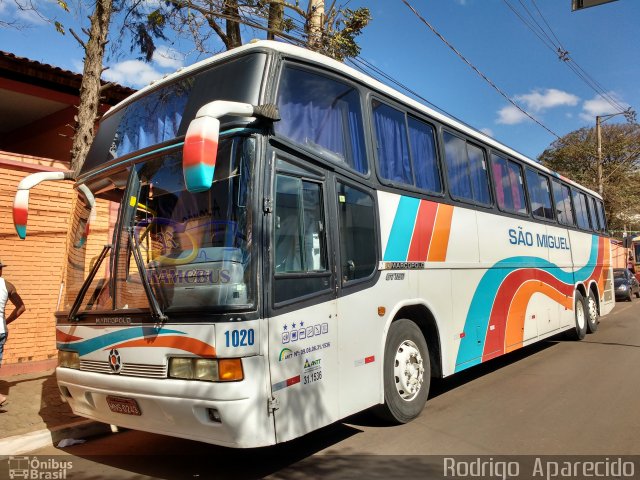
<point>153,302</point>
<point>87,283</point>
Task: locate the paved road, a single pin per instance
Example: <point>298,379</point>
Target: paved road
<point>555,398</point>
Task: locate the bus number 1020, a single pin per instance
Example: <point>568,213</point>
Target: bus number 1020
<point>239,338</point>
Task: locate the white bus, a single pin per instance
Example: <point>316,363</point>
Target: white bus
<point>289,241</point>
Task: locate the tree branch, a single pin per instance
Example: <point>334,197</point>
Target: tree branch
<point>106,86</point>
<point>78,39</point>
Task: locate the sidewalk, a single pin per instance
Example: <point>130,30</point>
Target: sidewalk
<point>35,416</point>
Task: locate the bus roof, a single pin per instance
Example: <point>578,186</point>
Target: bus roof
<point>299,53</point>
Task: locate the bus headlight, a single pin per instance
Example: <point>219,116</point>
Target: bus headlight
<point>206,369</point>
<point>181,368</point>
<point>68,359</point>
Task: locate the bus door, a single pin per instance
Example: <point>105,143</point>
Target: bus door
<point>360,326</point>
<point>301,299</point>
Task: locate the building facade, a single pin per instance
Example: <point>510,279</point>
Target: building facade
<point>38,103</point>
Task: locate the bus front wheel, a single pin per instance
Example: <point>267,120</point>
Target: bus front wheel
<point>407,372</point>
<point>580,314</point>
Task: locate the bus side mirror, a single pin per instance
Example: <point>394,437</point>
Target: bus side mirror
<point>199,153</point>
<point>201,141</point>
<point>21,200</point>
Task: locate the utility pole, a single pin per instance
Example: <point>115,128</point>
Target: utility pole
<point>599,137</point>
<point>630,115</point>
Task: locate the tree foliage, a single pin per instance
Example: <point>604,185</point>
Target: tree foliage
<point>575,156</point>
<point>93,40</point>
<point>331,30</point>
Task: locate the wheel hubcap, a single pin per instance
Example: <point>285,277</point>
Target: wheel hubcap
<point>593,310</point>
<point>580,316</point>
<point>408,370</point>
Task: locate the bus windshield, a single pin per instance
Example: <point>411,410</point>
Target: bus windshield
<point>195,247</point>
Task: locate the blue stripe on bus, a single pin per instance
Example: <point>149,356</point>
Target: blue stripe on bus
<point>402,230</point>
<point>105,341</point>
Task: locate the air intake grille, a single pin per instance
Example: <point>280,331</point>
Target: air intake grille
<point>128,369</point>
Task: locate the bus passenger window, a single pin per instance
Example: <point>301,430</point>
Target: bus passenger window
<point>580,204</point>
<point>392,144</point>
<point>539,194</point>
<point>597,215</point>
<point>594,215</point>
<point>324,115</point>
<point>422,139</point>
<point>507,177</point>
<point>356,222</point>
<point>467,170</point>
<point>602,216</point>
<point>562,197</point>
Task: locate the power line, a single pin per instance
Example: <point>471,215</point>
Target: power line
<point>475,69</point>
<point>548,37</point>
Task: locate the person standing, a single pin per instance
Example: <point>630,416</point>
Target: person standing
<point>7,292</point>
<point>631,264</point>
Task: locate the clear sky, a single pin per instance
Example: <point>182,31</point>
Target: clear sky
<point>603,44</point>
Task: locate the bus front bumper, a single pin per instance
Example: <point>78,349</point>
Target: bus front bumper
<point>232,414</point>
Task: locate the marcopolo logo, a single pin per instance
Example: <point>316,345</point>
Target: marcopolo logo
<point>115,362</point>
<point>37,468</point>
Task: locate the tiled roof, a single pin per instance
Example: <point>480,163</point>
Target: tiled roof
<point>45,75</point>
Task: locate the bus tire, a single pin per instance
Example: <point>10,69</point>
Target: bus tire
<point>592,313</point>
<point>407,373</point>
<point>580,315</point>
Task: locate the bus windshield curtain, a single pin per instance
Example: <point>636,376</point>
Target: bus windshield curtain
<point>151,120</point>
<point>393,149</point>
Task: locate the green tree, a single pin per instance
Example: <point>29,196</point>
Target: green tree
<point>575,156</point>
<point>331,30</point>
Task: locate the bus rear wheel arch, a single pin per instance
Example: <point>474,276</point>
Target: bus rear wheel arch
<point>406,372</point>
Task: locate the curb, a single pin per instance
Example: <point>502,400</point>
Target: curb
<point>28,442</point>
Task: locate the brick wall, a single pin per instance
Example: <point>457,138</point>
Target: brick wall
<point>37,264</point>
<point>34,265</point>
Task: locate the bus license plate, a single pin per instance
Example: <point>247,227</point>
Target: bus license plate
<point>126,406</point>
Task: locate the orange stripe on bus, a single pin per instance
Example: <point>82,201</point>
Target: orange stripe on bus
<point>441,231</point>
<point>179,343</point>
<point>514,335</point>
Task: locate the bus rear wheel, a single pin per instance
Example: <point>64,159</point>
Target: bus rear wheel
<point>580,315</point>
<point>407,373</point>
<point>592,313</point>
